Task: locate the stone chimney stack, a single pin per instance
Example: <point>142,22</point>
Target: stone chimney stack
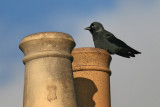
<point>48,72</point>
<point>92,77</point>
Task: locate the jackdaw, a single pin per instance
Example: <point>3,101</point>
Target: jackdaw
<point>106,40</point>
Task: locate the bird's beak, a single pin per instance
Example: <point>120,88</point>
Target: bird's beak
<point>87,28</point>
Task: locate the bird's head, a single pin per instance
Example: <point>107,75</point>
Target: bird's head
<point>95,27</point>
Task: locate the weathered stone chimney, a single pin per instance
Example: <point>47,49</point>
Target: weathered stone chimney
<point>48,72</point>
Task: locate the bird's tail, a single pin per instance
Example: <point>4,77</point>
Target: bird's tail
<point>128,52</point>
<point>133,51</point>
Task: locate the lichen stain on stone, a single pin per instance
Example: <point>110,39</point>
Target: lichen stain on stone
<point>52,93</point>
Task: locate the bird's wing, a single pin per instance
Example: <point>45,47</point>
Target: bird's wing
<point>111,38</point>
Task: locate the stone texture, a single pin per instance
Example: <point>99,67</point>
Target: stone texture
<point>48,72</point>
<point>92,77</point>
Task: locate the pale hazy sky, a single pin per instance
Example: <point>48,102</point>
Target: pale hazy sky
<point>134,81</point>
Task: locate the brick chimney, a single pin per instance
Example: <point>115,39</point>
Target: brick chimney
<point>92,77</point>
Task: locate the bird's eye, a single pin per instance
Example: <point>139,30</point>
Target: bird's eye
<point>92,26</point>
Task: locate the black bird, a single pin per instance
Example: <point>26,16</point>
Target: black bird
<point>105,40</point>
